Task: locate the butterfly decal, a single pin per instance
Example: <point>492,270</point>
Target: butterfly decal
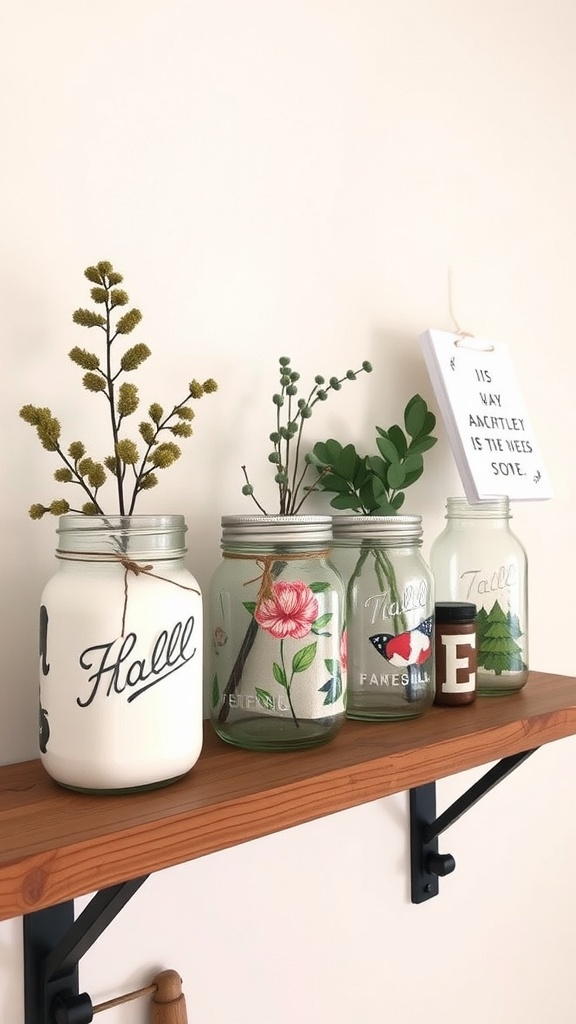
<point>412,647</point>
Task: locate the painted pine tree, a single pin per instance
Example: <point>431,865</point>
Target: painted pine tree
<point>497,648</point>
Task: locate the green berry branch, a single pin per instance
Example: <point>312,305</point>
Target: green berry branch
<point>291,415</point>
<point>133,466</point>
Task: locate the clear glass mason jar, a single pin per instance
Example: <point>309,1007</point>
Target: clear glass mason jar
<point>477,558</point>
<point>278,679</point>
<point>389,615</point>
<point>120,655</point>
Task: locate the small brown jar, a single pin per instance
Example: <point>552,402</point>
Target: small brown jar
<point>455,652</point>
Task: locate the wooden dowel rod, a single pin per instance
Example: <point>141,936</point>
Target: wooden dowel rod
<point>168,1003</point>
<point>126,998</point>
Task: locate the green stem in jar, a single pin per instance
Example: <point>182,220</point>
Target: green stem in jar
<point>355,575</point>
<point>386,575</point>
<point>386,580</point>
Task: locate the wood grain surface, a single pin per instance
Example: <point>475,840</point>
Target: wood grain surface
<point>56,844</point>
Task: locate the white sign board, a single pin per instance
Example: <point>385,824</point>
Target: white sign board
<point>486,418</point>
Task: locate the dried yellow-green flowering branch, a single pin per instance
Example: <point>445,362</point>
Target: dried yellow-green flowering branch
<point>133,465</point>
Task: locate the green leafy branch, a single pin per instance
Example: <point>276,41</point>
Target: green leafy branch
<point>133,472</point>
<point>375,484</point>
<point>291,415</point>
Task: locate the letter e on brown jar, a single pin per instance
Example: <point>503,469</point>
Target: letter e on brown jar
<point>455,653</point>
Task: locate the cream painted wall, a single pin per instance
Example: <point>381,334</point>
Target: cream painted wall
<point>298,177</point>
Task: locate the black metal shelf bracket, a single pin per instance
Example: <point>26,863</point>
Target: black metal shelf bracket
<point>54,944</point>
<point>426,863</point>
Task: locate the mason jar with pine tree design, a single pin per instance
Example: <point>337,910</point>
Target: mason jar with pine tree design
<point>477,558</point>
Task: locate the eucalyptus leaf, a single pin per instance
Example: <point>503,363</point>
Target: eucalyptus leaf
<point>335,482</point>
<point>345,464</point>
<point>388,449</point>
<point>429,423</point>
<point>333,451</point>
<point>411,478</point>
<point>415,415</point>
<point>320,453</point>
<point>396,475</point>
<point>346,501</point>
<point>360,473</point>
<point>399,440</point>
<point>423,443</point>
<point>386,508</point>
<point>372,492</point>
<point>411,402</point>
<point>379,467</point>
<point>367,496</point>
<point>413,462</point>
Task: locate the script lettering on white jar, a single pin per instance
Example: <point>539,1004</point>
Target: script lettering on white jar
<point>171,651</point>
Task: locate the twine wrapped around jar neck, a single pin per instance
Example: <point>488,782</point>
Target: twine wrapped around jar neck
<point>129,565</point>
<point>146,570</point>
<point>265,562</point>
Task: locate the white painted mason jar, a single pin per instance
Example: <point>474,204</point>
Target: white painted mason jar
<point>120,655</point>
<point>477,558</point>
<point>389,616</point>
<point>278,666</point>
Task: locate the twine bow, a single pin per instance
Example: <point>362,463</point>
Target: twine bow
<point>266,577</point>
<point>269,574</point>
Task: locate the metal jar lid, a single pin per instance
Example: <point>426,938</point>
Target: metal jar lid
<point>277,529</point>
<point>395,529</point>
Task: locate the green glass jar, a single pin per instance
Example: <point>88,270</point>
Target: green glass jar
<point>278,679</point>
<point>389,616</point>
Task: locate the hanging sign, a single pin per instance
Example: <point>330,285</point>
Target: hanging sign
<point>488,426</point>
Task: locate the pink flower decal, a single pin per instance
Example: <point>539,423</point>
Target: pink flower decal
<point>290,611</point>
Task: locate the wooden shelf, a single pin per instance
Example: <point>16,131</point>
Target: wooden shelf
<point>56,845</point>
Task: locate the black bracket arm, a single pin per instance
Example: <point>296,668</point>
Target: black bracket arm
<point>425,862</point>
<point>54,944</point>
